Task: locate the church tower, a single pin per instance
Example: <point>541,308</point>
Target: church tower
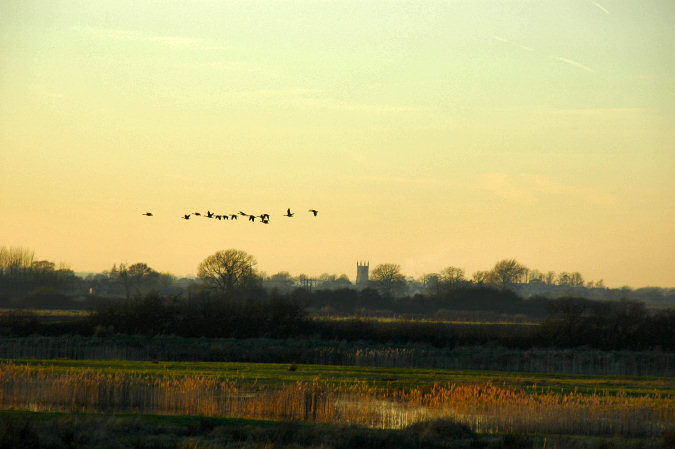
<point>362,274</point>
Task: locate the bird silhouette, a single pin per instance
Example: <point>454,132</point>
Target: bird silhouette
<point>186,217</point>
<point>264,217</point>
<point>288,213</point>
<point>197,214</point>
<point>251,218</point>
<point>209,214</point>
<point>233,216</point>
<point>219,217</point>
<point>149,214</point>
<point>314,211</point>
<point>243,213</point>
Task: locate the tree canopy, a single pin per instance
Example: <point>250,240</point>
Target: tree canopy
<point>229,270</point>
<point>388,278</point>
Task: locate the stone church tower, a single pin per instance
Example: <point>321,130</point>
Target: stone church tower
<point>362,274</point>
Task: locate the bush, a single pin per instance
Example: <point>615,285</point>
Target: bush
<point>18,434</point>
<point>440,433</point>
<point>46,298</point>
<point>668,441</point>
<point>516,441</point>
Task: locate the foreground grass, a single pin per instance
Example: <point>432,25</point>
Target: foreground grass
<point>103,431</point>
<point>374,397</point>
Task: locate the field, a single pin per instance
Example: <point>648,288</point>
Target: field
<point>168,391</point>
<point>393,398</point>
<point>325,352</point>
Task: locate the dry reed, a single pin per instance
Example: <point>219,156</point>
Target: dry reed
<point>484,406</point>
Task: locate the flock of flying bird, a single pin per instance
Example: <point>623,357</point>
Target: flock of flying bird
<point>264,217</point>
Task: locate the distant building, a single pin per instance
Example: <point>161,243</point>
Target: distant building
<point>362,274</point>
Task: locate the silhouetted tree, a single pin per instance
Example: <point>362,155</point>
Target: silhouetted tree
<point>387,277</point>
<point>549,278</point>
<point>228,270</point>
<point>430,283</point>
<point>282,282</point>
<point>142,277</point>
<point>452,277</point>
<point>535,277</point>
<point>481,277</point>
<point>15,262</point>
<point>331,281</point>
<point>506,273</point>
<point>570,279</point>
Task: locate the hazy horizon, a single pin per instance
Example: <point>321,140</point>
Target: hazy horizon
<point>351,274</point>
<point>431,134</point>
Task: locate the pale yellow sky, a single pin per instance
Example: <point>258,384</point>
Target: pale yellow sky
<point>427,134</point>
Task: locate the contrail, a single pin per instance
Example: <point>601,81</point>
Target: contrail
<point>600,6</point>
<point>501,39</point>
<point>576,64</point>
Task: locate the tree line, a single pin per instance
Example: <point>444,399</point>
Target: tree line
<point>28,282</point>
<point>229,299</point>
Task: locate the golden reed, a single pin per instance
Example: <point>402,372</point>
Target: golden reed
<point>484,406</point>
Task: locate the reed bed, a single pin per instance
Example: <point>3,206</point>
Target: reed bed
<point>483,406</point>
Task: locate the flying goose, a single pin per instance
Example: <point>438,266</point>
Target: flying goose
<point>314,211</point>
<point>149,214</point>
<point>288,213</point>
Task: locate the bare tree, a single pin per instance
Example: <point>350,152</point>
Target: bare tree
<point>549,278</point>
<point>570,279</point>
<point>228,270</point>
<point>388,278</point>
<point>120,275</point>
<point>507,272</point>
<point>577,279</point>
<point>535,277</point>
<point>430,283</point>
<point>15,261</point>
<point>452,277</point>
<point>142,277</point>
<point>481,277</point>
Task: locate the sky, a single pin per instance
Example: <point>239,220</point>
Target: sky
<point>427,134</point>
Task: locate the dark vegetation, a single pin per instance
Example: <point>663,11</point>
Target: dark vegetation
<point>326,352</point>
<point>28,430</point>
<point>42,430</point>
<point>230,300</point>
<point>571,323</point>
<point>462,298</point>
<point>508,289</point>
